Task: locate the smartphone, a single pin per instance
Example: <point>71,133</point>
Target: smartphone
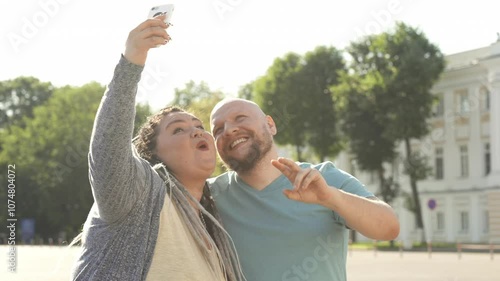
<point>167,10</point>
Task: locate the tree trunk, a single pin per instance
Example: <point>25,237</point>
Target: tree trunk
<point>299,153</point>
<point>381,179</point>
<point>383,192</point>
<point>414,191</point>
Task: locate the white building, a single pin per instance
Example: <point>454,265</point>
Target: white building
<point>464,151</point>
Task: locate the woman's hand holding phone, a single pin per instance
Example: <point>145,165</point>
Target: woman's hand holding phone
<point>149,34</point>
<point>145,36</point>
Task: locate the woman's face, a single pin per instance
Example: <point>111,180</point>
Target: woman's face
<point>185,147</point>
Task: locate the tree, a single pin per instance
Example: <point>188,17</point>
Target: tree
<point>19,96</point>
<point>192,93</point>
<point>198,99</point>
<point>280,94</point>
<point>419,64</point>
<point>50,154</point>
<point>142,112</point>
<point>296,92</point>
<point>408,64</point>
<point>365,128</point>
<point>246,91</point>
<point>319,73</point>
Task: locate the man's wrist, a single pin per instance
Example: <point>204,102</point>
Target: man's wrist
<point>330,198</point>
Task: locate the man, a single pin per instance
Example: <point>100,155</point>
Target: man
<point>288,221</point>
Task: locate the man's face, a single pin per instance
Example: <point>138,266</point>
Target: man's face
<point>243,134</point>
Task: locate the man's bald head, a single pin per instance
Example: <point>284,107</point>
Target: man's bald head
<point>234,104</point>
<point>237,102</point>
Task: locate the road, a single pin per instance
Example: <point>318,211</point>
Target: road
<point>416,266</point>
<point>42,263</point>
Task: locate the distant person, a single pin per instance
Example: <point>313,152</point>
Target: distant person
<point>153,216</point>
<point>289,221</point>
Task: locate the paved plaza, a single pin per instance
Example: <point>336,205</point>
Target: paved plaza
<point>45,263</point>
<point>413,266</point>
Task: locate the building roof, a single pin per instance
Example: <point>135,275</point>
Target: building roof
<point>472,57</point>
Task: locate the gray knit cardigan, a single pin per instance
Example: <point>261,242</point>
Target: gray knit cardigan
<point>122,227</point>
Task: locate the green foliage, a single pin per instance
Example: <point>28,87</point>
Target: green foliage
<point>416,166</point>
<point>246,91</point>
<point>363,122</point>
<point>320,72</point>
<point>142,112</point>
<point>409,202</point>
<point>389,188</point>
<point>419,64</point>
<point>296,92</point>
<point>192,94</point>
<point>198,99</point>
<point>279,94</point>
<point>365,126</point>
<point>19,96</point>
<point>50,153</point>
<point>394,73</point>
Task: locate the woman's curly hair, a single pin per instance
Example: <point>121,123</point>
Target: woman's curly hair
<point>148,134</point>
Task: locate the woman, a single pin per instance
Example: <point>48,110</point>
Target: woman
<point>147,222</point>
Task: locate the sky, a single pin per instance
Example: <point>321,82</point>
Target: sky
<point>226,43</point>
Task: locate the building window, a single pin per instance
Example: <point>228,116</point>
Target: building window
<point>464,222</point>
<point>487,159</point>
<point>462,99</point>
<point>438,109</point>
<point>439,221</point>
<point>485,99</point>
<point>464,161</point>
<point>439,169</point>
<point>486,222</point>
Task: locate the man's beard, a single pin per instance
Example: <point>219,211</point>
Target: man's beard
<point>256,152</point>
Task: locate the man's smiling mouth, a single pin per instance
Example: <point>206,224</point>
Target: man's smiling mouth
<point>238,141</point>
